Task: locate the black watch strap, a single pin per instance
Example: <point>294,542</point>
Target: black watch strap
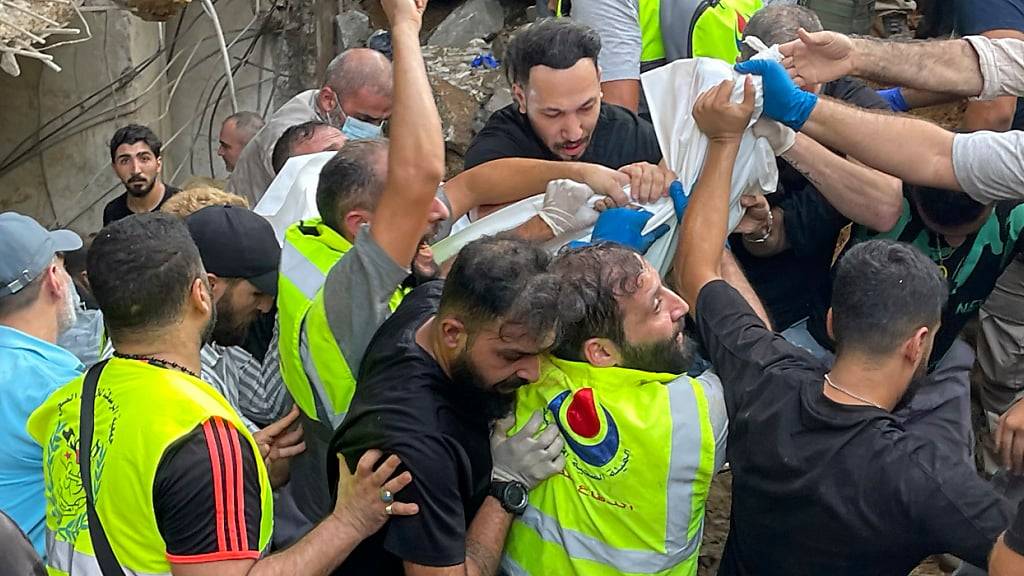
<point>512,496</point>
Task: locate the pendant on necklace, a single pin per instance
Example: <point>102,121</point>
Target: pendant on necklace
<point>943,270</point>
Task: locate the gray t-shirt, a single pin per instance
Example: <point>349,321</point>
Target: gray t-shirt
<point>617,23</point>
<point>356,293</point>
<point>988,165</point>
<point>254,171</point>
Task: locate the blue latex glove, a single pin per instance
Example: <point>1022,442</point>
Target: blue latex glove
<point>679,199</point>
<point>625,226</point>
<point>783,100</point>
<point>894,98</point>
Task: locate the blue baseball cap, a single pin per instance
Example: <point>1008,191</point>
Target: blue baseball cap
<point>26,249</point>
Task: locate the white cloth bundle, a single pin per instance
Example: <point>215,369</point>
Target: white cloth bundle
<point>292,195</point>
<point>671,92</point>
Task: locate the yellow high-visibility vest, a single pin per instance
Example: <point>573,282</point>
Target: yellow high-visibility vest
<point>310,249</point>
<point>140,411</point>
<point>640,456</point>
<point>676,29</point>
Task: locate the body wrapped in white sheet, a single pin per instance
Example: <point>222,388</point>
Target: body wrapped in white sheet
<point>671,92</point>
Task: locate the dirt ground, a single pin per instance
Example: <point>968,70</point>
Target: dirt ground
<point>716,528</point>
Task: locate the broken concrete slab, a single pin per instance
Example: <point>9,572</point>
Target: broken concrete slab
<point>473,19</point>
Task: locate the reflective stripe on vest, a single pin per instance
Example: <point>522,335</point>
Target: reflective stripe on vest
<point>323,386</point>
<point>675,29</point>
<point>588,521</point>
<point>129,442</point>
<point>62,558</point>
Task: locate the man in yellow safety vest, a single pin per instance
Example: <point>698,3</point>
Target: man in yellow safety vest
<point>643,439</point>
<point>147,468</point>
<point>640,35</point>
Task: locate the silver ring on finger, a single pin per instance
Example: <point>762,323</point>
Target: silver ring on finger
<point>388,510</point>
<point>386,496</point>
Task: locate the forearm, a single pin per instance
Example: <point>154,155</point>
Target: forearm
<point>705,225</point>
<point>416,155</point>
<point>923,98</point>
<point>486,538</point>
<point>625,93</point>
<point>733,274</point>
<point>319,552</point>
<point>911,149</point>
<point>949,67</point>
<point>533,229</point>
<point>505,180</point>
<point>996,115</point>
<point>864,195</point>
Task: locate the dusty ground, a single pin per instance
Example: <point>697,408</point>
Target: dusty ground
<point>716,528</point>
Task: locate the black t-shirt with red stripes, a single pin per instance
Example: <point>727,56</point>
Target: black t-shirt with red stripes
<point>206,496</point>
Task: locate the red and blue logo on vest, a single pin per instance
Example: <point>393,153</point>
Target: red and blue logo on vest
<point>741,25</point>
<point>587,427</point>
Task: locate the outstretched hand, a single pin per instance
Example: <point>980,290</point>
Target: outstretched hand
<point>818,57</point>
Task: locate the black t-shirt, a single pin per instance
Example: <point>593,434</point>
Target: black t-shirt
<point>974,17</point>
<point>1014,537</point>
<point>117,208</point>
<point>973,267</point>
<point>782,281</point>
<point>824,488</point>
<point>206,496</point>
<point>405,404</point>
<point>619,138</point>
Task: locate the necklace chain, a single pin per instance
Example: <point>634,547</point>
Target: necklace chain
<point>157,362</point>
<point>850,394</point>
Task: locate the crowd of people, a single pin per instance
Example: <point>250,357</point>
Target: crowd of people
<point>184,392</point>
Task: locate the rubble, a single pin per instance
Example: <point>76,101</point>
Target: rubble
<point>473,19</point>
<point>462,93</point>
<point>353,28</point>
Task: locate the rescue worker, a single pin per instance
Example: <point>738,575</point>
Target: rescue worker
<point>613,388</point>
<point>147,468</point>
<point>340,274</point>
<point>640,35</point>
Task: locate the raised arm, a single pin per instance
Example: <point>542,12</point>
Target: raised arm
<point>939,66</point>
<point>913,150</point>
<point>704,229</point>
<point>864,195</point>
<point>416,155</point>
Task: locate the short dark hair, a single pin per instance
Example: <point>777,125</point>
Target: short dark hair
<point>883,292</point>
<point>141,269</point>
<point>946,207</point>
<point>778,24</point>
<point>600,276</point>
<point>507,279</point>
<point>131,134</point>
<point>292,136</point>
<point>350,181</point>
<point>557,43</point>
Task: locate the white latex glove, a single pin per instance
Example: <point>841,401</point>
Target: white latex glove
<point>565,207</point>
<point>780,137</point>
<point>522,457</point>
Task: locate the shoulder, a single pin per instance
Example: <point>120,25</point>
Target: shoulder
<point>973,17</point>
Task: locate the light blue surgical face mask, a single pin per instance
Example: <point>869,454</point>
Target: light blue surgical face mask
<point>356,129</point>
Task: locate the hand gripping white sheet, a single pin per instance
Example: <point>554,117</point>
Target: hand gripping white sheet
<point>292,195</point>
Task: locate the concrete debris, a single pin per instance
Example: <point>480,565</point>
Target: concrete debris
<point>473,19</point>
<point>353,29</point>
<point>462,93</point>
